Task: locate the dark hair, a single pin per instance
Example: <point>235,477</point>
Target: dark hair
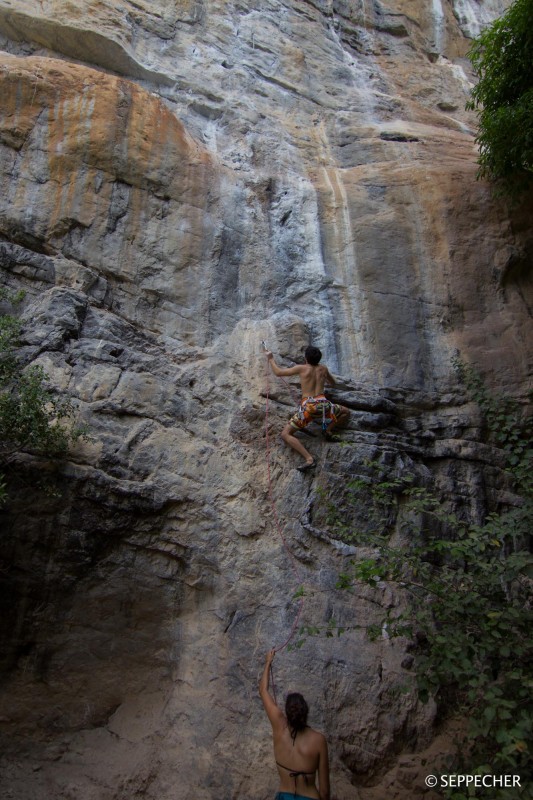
<point>312,355</point>
<point>296,711</point>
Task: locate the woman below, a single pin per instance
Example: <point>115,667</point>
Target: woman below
<point>300,751</point>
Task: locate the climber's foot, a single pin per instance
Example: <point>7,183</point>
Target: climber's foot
<point>307,466</point>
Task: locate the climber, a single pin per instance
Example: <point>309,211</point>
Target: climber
<point>300,751</point>
<point>315,406</point>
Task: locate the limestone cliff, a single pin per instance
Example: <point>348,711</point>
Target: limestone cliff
<point>182,180</point>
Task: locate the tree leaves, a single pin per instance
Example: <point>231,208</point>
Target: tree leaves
<point>502,58</point>
<point>33,417</point>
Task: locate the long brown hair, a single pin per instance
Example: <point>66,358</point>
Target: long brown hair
<point>296,711</point>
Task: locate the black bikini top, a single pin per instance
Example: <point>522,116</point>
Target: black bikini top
<point>293,773</point>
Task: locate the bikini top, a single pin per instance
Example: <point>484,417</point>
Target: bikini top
<point>293,773</point>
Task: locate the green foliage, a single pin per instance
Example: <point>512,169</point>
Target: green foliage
<point>469,595</point>
<point>506,426</point>
<point>32,417</point>
<point>502,57</point>
<point>332,629</point>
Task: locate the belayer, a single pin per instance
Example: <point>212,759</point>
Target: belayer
<point>315,407</point>
<point>300,751</point>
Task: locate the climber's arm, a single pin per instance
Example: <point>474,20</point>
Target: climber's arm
<point>284,371</point>
<point>274,713</point>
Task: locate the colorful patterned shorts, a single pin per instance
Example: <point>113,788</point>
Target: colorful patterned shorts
<point>315,409</point>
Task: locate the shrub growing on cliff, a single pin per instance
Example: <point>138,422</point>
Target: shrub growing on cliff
<point>502,57</point>
<point>468,593</point>
<point>32,417</point>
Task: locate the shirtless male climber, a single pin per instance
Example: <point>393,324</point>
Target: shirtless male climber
<point>301,753</point>
<point>315,406</point>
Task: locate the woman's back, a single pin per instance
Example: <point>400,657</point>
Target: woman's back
<point>298,759</point>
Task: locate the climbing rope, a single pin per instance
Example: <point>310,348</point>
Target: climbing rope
<point>294,564</point>
<point>277,522</point>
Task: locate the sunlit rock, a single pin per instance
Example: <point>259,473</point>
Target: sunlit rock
<point>183,181</point>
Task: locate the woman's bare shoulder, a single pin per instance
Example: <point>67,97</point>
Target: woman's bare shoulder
<point>314,736</point>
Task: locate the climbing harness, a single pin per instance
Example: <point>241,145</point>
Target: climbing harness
<point>312,408</point>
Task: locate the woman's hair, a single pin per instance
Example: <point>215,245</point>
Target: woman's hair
<point>296,711</point>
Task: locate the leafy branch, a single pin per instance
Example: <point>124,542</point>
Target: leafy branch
<point>33,418</point>
<point>502,58</point>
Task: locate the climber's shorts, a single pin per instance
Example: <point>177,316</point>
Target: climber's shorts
<point>315,409</point>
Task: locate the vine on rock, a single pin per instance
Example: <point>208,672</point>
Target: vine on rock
<point>468,590</point>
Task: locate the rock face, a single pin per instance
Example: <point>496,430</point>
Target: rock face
<point>181,181</point>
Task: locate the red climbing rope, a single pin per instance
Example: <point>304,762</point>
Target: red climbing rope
<point>277,523</point>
